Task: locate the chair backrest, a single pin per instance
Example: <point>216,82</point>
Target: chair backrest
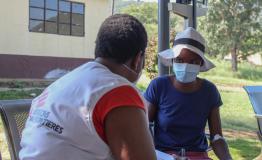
<point>255,97</point>
<point>14,114</point>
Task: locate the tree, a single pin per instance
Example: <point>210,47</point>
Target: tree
<point>147,13</point>
<point>232,26</point>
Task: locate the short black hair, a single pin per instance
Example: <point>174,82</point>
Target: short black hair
<point>120,38</point>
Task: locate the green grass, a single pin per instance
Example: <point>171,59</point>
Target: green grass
<point>236,112</point>
<point>21,94</point>
<point>237,115</point>
<point>244,148</point>
<point>3,144</point>
<point>247,74</point>
<point>241,149</point>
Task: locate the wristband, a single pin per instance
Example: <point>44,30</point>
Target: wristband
<point>217,137</point>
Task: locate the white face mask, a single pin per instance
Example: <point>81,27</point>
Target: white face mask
<point>186,73</point>
<point>137,74</point>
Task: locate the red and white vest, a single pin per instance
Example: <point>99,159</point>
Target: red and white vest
<point>60,124</point>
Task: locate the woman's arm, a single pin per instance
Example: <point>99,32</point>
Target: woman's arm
<point>128,136</point>
<point>219,146</point>
<point>151,111</point>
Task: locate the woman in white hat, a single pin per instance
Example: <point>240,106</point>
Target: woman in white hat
<point>181,105</point>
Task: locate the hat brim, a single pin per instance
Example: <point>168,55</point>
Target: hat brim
<point>166,56</point>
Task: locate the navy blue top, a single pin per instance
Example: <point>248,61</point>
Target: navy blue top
<point>181,117</point>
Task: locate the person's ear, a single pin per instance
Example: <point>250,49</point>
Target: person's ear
<point>137,61</point>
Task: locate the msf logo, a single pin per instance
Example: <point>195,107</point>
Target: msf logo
<point>40,101</point>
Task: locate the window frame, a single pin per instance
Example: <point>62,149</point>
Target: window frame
<point>58,18</point>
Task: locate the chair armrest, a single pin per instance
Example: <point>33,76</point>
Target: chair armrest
<point>259,116</point>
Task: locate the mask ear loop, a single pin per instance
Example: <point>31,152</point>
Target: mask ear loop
<point>131,70</point>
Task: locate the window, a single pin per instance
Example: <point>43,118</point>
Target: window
<point>57,17</point>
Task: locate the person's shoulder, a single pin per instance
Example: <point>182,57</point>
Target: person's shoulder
<point>161,79</point>
<point>158,82</point>
<point>209,85</point>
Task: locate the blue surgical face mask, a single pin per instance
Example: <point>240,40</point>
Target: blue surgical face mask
<point>186,73</point>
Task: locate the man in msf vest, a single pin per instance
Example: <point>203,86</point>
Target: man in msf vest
<point>95,112</point>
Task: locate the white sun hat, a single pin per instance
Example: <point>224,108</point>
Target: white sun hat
<point>189,39</point>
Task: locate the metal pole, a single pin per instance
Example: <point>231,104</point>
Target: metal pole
<point>113,7</point>
<point>194,14</point>
<point>163,32</point>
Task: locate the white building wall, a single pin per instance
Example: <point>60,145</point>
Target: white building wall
<point>16,39</point>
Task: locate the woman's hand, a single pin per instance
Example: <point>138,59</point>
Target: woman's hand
<point>219,145</point>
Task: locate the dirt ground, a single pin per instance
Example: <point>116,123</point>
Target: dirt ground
<point>239,134</point>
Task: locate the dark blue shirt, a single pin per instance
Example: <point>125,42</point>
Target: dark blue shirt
<point>181,117</point>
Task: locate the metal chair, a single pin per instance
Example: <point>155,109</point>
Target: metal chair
<point>14,114</point>
<point>255,97</point>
